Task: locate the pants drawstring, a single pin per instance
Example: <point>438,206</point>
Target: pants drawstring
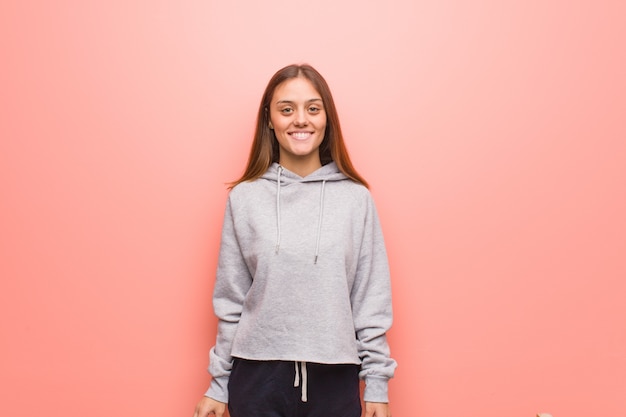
<point>296,382</point>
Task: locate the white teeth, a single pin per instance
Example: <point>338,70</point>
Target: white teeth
<point>300,135</point>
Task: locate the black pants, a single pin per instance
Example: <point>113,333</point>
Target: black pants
<point>266,389</point>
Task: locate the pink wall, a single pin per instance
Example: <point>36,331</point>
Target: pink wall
<point>493,135</point>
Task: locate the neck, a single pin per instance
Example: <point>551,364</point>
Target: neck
<point>301,167</point>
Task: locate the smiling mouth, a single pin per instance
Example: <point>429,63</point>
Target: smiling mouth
<point>300,135</point>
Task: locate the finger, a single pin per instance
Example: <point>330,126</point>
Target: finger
<point>201,411</point>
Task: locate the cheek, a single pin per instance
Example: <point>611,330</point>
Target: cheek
<point>277,127</point>
<point>280,123</point>
<point>323,127</point>
<point>321,123</point>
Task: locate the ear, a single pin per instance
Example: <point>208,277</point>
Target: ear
<point>271,126</point>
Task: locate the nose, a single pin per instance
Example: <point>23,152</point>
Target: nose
<point>301,118</point>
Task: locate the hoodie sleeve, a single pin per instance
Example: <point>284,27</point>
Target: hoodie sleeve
<point>371,308</point>
<point>233,280</point>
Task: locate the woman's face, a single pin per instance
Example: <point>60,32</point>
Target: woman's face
<point>298,118</point>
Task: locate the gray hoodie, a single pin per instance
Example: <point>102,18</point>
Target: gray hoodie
<point>302,276</point>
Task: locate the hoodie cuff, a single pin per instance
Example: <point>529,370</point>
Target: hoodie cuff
<point>218,390</point>
<point>376,390</point>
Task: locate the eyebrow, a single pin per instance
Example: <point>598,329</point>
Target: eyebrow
<point>291,102</point>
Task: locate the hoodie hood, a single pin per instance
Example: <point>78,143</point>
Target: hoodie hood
<point>283,177</point>
<point>328,172</point>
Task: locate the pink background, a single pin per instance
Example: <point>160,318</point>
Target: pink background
<point>492,132</point>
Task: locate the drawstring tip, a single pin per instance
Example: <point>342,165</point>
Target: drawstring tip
<point>315,260</point>
<point>296,382</point>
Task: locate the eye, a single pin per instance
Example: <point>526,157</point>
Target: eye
<point>314,109</point>
<point>286,110</point>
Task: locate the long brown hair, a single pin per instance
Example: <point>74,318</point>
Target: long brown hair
<point>265,149</point>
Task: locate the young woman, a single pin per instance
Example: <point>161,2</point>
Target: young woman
<point>302,292</point>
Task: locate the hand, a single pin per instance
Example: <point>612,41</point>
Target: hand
<point>377,410</point>
<point>208,406</point>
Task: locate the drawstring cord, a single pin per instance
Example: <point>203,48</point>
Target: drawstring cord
<point>319,222</point>
<point>280,170</point>
<point>296,382</point>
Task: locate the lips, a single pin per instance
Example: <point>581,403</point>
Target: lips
<point>300,135</point>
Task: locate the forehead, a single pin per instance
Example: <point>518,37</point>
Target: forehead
<point>295,89</point>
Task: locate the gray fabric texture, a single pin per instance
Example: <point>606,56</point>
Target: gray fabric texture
<point>303,276</point>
